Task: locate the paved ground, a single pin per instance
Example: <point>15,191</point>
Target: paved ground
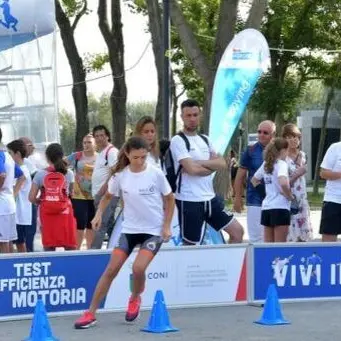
<point>309,322</point>
<point>315,217</point>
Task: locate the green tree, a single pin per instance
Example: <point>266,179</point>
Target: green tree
<point>291,24</point>
<point>113,37</point>
<point>294,24</point>
<point>314,96</point>
<point>152,9</point>
<point>67,126</point>
<point>193,19</point>
<point>100,111</point>
<point>194,57</point>
<point>68,15</point>
<point>137,110</point>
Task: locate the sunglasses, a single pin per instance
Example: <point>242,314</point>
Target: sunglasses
<point>264,132</point>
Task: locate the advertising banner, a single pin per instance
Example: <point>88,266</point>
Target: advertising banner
<point>188,276</point>
<point>243,62</point>
<point>299,271</point>
<point>66,281</point>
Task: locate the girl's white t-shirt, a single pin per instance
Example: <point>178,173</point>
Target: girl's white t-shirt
<point>142,195</point>
<point>274,198</point>
<point>23,205</point>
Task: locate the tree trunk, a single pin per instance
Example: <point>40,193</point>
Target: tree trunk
<point>114,40</point>
<point>330,97</point>
<point>190,43</point>
<point>155,28</point>
<point>256,14</point>
<point>226,28</point>
<point>79,89</point>
<point>227,20</point>
<point>207,106</point>
<point>174,106</point>
<point>175,103</point>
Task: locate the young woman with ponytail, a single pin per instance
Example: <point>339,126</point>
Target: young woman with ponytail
<point>148,205</point>
<point>275,215</point>
<point>51,190</point>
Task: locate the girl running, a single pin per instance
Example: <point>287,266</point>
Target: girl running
<point>276,206</point>
<point>146,128</point>
<point>51,190</point>
<point>148,210</point>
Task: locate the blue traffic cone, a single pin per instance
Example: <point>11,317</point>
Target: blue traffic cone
<point>40,329</point>
<point>159,319</point>
<point>272,313</point>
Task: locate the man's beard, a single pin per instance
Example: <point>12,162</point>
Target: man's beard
<point>192,130</point>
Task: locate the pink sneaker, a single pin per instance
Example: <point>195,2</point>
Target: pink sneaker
<point>87,320</point>
<point>133,310</point>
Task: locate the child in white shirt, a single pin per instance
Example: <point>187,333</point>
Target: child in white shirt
<point>17,150</point>
<point>275,215</point>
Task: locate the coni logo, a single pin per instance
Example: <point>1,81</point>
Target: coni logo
<point>152,275</point>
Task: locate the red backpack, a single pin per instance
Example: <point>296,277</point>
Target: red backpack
<point>54,196</point>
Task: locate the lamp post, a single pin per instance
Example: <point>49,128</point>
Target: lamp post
<point>166,69</point>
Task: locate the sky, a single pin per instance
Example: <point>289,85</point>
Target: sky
<point>141,80</point>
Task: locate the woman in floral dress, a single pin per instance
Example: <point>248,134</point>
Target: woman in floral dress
<point>300,229</point>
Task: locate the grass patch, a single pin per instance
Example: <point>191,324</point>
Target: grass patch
<point>315,200</point>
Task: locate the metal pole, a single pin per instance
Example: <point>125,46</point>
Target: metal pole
<point>166,69</point>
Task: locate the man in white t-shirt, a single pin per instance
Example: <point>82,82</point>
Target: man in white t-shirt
<point>195,198</point>
<point>106,159</point>
<point>330,226</point>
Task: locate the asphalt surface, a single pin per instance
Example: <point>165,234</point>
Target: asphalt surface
<point>309,322</point>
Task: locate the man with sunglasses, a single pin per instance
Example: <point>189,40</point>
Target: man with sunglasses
<point>250,161</point>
